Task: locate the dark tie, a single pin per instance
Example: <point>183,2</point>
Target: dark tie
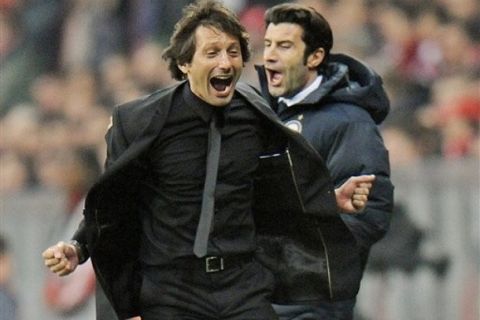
<point>208,199</point>
<point>281,106</point>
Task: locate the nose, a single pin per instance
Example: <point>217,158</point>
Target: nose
<point>269,54</point>
<point>224,61</point>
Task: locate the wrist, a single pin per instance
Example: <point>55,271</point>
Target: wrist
<point>338,200</point>
<point>80,250</point>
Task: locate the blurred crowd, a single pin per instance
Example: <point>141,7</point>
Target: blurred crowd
<point>65,64</point>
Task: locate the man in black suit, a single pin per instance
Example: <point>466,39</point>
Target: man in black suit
<point>164,243</point>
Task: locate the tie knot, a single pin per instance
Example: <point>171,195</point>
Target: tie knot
<point>218,117</point>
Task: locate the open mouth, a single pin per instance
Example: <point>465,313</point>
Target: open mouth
<point>221,83</point>
<point>274,77</point>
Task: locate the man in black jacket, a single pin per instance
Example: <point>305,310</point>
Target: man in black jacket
<point>144,217</point>
<point>336,103</point>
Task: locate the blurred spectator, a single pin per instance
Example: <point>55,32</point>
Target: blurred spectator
<point>72,297</point>
<point>92,30</point>
<point>252,18</point>
<point>87,120</point>
<point>152,20</point>
<point>18,146</point>
<point>43,21</point>
<point>462,10</point>
<point>20,131</point>
<point>396,32</point>
<point>401,146</point>
<point>7,300</point>
<point>116,82</point>
<point>14,175</point>
<point>352,32</point>
<point>455,113</point>
<point>64,64</point>
<point>69,170</point>
<point>149,70</point>
<point>459,52</point>
<point>19,63</point>
<point>48,95</point>
<point>73,171</point>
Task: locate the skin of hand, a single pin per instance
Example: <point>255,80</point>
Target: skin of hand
<point>61,258</point>
<point>352,195</point>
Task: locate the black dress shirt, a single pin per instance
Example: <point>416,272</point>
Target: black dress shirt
<point>172,198</point>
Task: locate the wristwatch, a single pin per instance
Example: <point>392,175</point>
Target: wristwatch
<point>80,249</point>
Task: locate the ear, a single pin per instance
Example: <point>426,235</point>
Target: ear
<point>184,68</point>
<point>315,58</point>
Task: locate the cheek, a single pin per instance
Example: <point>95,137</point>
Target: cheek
<point>296,75</point>
<point>238,67</point>
<point>198,77</point>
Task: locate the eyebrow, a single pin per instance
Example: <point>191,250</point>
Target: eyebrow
<point>281,42</point>
<point>218,43</point>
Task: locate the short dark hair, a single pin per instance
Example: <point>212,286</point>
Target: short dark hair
<point>208,13</point>
<point>316,29</point>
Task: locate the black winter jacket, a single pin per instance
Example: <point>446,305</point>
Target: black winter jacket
<point>340,120</point>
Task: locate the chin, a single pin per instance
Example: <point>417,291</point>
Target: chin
<point>276,92</point>
<point>221,102</point>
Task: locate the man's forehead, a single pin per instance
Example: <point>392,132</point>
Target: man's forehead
<point>210,32</point>
<point>284,29</point>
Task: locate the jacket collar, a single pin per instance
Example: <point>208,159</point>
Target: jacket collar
<point>346,80</point>
<point>339,74</point>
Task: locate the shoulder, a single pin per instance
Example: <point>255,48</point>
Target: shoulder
<point>136,114</point>
<point>343,113</point>
<point>252,95</point>
<point>139,108</point>
<point>256,100</point>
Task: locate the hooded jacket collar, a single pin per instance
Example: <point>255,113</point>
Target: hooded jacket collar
<point>346,80</point>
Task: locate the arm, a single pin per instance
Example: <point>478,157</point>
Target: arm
<point>356,148</point>
<point>64,257</point>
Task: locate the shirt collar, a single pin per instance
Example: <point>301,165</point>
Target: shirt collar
<point>202,108</point>
<point>302,94</point>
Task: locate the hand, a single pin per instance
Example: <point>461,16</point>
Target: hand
<point>61,258</point>
<point>352,196</point>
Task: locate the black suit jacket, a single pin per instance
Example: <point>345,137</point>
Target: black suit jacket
<point>111,226</point>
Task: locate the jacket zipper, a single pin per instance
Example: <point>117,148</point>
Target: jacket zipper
<point>297,190</point>
<point>324,244</point>
<point>327,261</point>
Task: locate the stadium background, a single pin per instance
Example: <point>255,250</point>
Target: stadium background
<point>65,63</point>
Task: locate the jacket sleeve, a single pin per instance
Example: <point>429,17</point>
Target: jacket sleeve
<point>356,148</point>
<point>116,144</point>
<point>115,138</point>
<point>81,237</point>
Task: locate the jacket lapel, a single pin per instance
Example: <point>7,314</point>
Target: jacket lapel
<point>259,103</point>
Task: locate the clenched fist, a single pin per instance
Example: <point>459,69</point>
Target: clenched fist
<point>61,258</point>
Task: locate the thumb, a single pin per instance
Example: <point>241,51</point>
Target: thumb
<point>364,178</point>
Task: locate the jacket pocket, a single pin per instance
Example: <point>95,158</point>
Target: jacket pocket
<point>300,264</point>
<point>276,187</point>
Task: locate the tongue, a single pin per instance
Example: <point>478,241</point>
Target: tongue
<point>276,77</point>
<point>219,86</point>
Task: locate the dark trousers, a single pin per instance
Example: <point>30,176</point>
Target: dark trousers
<point>338,310</point>
<point>184,293</point>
